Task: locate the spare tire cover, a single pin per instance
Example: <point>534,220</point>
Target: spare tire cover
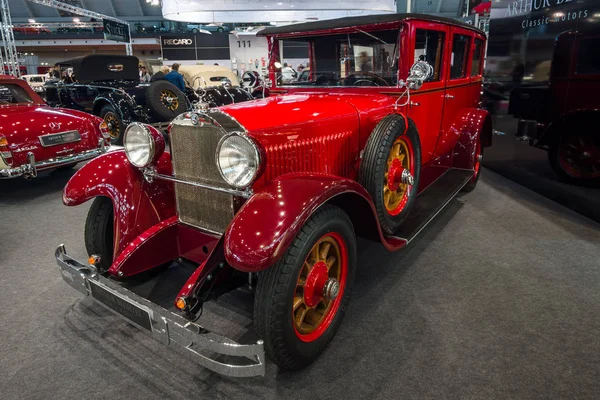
<point>165,100</point>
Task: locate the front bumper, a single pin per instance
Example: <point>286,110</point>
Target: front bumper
<point>165,326</point>
<point>31,168</point>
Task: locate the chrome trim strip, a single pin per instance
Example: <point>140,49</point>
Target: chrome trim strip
<point>31,168</point>
<point>150,174</point>
<point>170,329</point>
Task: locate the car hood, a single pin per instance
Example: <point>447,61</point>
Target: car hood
<point>280,115</point>
<point>23,124</point>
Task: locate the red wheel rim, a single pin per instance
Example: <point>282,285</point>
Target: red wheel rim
<point>579,156</point>
<point>396,193</point>
<point>313,313</point>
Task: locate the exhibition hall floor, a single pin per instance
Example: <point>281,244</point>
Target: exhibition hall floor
<point>498,298</point>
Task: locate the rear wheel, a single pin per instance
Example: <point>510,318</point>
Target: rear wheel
<point>476,167</point>
<point>116,127</point>
<point>575,156</point>
<point>301,300</point>
<point>99,232</point>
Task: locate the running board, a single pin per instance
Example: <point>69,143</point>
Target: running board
<point>431,201</point>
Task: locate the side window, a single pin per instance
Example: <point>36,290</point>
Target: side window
<point>458,59</point>
<point>477,57</point>
<point>588,57</point>
<point>429,47</point>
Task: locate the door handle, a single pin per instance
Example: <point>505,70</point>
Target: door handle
<point>414,104</point>
<point>449,96</point>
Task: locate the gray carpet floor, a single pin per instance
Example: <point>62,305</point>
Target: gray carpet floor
<point>498,298</point>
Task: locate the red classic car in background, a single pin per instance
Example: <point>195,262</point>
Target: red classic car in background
<point>384,132</point>
<point>35,137</point>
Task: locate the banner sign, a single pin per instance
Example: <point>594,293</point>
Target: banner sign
<point>195,46</point>
<point>115,31</point>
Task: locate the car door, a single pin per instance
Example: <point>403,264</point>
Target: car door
<point>426,104</point>
<point>461,93</point>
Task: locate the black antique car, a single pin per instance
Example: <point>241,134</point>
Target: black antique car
<point>109,86</point>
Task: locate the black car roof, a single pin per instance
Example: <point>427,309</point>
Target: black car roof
<point>95,67</point>
<point>348,22</point>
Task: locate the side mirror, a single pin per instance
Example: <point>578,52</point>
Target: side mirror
<point>419,73</point>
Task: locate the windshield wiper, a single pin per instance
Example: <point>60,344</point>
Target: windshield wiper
<point>373,36</point>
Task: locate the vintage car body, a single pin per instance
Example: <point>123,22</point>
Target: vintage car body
<point>280,187</point>
<point>36,82</point>
<point>35,137</point>
<point>109,86</point>
<point>561,116</point>
<point>213,85</point>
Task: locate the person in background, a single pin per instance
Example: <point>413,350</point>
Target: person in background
<point>160,75</point>
<point>300,68</point>
<point>144,75</point>
<point>175,77</point>
<point>287,73</point>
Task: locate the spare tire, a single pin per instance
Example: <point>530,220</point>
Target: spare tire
<point>165,100</point>
<point>390,169</point>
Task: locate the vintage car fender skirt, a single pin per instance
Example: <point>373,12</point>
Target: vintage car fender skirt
<point>301,300</point>
<point>390,169</point>
<point>165,100</point>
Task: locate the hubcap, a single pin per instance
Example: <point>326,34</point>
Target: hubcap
<point>398,178</point>
<point>319,287</point>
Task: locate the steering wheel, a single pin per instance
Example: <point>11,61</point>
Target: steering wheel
<point>361,80</point>
<point>249,79</point>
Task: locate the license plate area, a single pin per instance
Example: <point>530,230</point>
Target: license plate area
<point>60,138</point>
<point>129,310</point>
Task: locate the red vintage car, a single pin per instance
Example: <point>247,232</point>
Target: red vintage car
<point>383,134</point>
<point>35,137</point>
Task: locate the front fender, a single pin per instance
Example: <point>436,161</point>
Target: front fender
<point>137,204</point>
<point>268,222</point>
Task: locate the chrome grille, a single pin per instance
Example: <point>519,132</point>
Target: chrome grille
<point>193,150</point>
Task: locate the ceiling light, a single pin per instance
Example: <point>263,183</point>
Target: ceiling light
<point>76,20</point>
<point>31,21</point>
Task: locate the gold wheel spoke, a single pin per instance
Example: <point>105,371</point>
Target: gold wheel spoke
<point>300,316</point>
<point>330,261</point>
<point>324,251</point>
<point>314,253</point>
<point>298,302</point>
<point>386,196</point>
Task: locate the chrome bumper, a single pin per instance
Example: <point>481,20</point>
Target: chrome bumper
<point>31,168</point>
<point>169,328</point>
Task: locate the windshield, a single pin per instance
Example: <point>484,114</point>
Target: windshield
<point>355,59</point>
<point>13,94</point>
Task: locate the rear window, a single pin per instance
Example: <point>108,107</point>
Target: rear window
<point>13,94</point>
<point>458,61</point>
<point>477,57</point>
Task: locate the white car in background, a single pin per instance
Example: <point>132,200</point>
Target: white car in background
<point>36,82</point>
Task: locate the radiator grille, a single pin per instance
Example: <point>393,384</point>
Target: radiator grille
<point>193,150</point>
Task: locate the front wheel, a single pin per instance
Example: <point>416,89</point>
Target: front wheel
<point>99,232</point>
<point>301,300</point>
